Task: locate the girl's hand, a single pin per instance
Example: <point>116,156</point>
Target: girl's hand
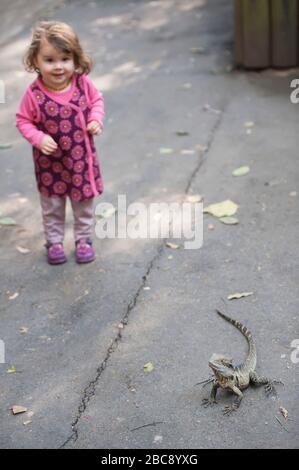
<point>94,128</point>
<point>48,145</point>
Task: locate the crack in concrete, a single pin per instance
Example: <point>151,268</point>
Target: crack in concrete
<point>202,153</point>
<point>90,390</point>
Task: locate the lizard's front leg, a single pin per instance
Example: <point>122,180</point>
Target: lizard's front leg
<point>227,410</point>
<point>268,383</point>
<point>212,399</point>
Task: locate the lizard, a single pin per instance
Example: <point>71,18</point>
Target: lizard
<point>235,378</point>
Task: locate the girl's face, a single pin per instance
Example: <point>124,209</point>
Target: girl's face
<point>56,67</point>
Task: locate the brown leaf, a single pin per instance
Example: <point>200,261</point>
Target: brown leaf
<point>172,245</point>
<point>23,330</point>
<point>284,412</point>
<point>23,250</point>
<point>16,409</point>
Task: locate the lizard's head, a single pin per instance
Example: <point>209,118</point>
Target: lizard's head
<point>222,367</point>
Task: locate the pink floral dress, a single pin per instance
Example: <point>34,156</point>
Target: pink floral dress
<point>73,170</point>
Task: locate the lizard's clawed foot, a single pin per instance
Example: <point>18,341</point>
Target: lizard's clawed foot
<point>206,402</point>
<point>278,381</point>
<point>270,389</point>
<point>227,410</point>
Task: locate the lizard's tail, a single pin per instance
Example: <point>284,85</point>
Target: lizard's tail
<point>250,361</point>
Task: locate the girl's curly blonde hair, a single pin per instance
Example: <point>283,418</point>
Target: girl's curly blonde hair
<point>62,37</point>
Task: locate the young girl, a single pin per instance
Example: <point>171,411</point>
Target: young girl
<point>59,114</point>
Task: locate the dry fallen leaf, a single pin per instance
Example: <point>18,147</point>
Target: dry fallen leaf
<point>7,221</point>
<point>187,86</point>
<point>13,296</point>
<point>198,50</point>
<point>172,245</point>
<point>207,107</point>
<point>187,152</point>
<point>239,295</point>
<point>201,148</point>
<point>5,146</point>
<point>195,198</point>
<point>16,409</point>
<point>222,209</point>
<point>155,65</point>
<point>165,151</point>
<point>86,292</point>
<point>281,424</point>
<point>23,200</point>
<point>229,220</point>
<point>23,250</point>
<point>182,133</point>
<point>106,213</point>
<point>23,330</point>
<point>284,412</point>
<point>148,367</point>
<point>242,171</point>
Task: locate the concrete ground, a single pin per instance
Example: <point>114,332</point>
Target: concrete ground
<point>79,336</point>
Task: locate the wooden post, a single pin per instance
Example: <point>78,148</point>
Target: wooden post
<point>239,54</point>
<point>284,24</point>
<point>256,33</point>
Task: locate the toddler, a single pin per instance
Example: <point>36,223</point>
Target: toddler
<point>59,114</point>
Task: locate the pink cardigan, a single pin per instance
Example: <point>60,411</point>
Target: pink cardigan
<point>27,115</point>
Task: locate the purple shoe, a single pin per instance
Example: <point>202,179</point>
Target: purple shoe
<point>84,251</point>
<point>56,253</point>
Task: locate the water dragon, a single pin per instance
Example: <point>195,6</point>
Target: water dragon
<point>235,378</point>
